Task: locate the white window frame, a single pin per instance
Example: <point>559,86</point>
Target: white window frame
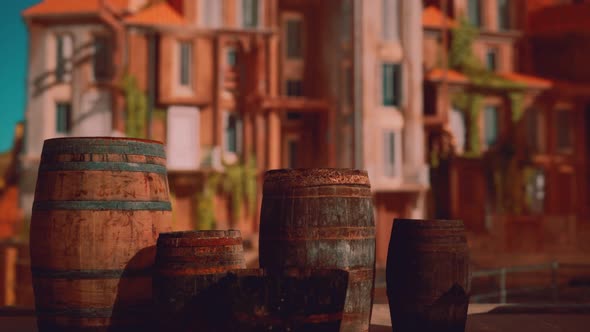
<point>393,7</point>
<point>174,114</point>
<point>67,43</point>
<point>396,167</point>
<point>232,156</point>
<point>211,13</point>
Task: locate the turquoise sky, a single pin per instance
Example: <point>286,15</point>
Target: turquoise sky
<point>13,59</point>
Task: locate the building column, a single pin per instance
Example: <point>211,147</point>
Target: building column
<point>273,123</point>
<point>413,133</point>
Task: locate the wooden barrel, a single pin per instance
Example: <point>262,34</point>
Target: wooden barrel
<point>100,204</point>
<point>428,275</point>
<point>186,264</point>
<point>296,300</point>
<point>322,219</point>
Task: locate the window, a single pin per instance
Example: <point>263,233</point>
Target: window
<point>294,88</point>
<point>389,154</point>
<point>474,12</point>
<point>347,86</point>
<point>565,129</point>
<point>346,23</point>
<point>389,20</point>
<point>60,67</point>
<point>535,130</point>
<point>185,63</point>
<point>292,153</point>
<point>535,191</point>
<point>233,128</point>
<point>491,125</point>
<point>250,13</point>
<point>63,123</point>
<point>211,13</point>
<point>102,58</point>
<point>491,59</point>
<point>503,14</point>
<point>391,84</point>
<point>294,38</point>
<point>231,57</point>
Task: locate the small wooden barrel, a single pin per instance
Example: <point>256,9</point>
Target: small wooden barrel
<point>305,300</point>
<point>186,264</point>
<point>428,275</point>
<point>322,219</point>
<point>100,204</point>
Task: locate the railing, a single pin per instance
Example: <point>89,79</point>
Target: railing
<point>503,272</point>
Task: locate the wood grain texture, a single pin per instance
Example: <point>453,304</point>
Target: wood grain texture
<point>100,204</point>
<point>188,263</point>
<point>322,219</point>
<point>428,275</point>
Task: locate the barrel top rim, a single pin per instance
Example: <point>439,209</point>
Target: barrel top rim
<point>429,222</point>
<point>308,177</point>
<point>103,138</point>
<point>204,234</point>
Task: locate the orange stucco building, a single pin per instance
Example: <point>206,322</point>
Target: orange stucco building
<point>291,83</point>
<point>531,129</point>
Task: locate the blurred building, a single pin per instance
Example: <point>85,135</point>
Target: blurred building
<point>291,83</point>
<point>510,142</point>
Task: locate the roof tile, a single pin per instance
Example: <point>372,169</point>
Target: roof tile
<point>158,14</point>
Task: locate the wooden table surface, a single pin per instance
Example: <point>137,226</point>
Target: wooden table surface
<point>482,318</point>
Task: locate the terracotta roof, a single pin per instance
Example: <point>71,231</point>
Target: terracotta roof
<point>159,14</point>
<point>73,7</point>
<point>528,80</point>
<point>453,76</point>
<point>432,17</point>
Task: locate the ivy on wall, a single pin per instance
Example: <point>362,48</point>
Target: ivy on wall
<point>507,174</point>
<point>238,182</point>
<point>135,108</point>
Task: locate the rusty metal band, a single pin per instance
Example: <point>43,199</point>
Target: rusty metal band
<point>90,274</point>
<point>321,233</point>
<point>104,312</point>
<point>197,242</point>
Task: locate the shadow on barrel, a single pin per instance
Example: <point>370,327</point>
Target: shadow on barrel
<point>256,300</point>
<point>133,303</point>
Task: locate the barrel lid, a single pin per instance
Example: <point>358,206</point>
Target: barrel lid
<point>427,223</point>
<point>203,234</point>
<point>101,138</point>
<point>310,177</point>
<point>103,145</point>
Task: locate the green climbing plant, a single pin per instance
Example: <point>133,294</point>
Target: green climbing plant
<point>238,182</point>
<point>135,108</point>
<point>506,171</point>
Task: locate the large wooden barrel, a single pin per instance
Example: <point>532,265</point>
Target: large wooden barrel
<point>252,300</point>
<point>428,275</point>
<point>100,204</point>
<point>322,219</point>
<point>188,263</point>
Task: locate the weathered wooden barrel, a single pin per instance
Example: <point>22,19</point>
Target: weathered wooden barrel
<point>188,263</point>
<point>322,218</point>
<point>297,300</point>
<point>428,275</point>
<point>100,204</point>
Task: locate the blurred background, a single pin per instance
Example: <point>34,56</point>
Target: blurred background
<point>476,110</point>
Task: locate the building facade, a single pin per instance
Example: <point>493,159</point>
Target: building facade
<point>507,137</point>
<point>287,83</point>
